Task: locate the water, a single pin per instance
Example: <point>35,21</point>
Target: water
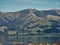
<point>25,40</point>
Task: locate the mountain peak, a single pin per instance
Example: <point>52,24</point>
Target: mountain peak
<point>30,10</point>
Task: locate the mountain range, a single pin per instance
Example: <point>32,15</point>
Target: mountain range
<point>31,20</point>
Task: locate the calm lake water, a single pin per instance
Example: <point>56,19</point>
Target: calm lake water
<point>9,40</point>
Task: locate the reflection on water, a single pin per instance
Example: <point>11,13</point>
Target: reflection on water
<point>29,40</point>
<point>19,43</point>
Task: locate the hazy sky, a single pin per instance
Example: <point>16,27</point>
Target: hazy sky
<point>16,5</point>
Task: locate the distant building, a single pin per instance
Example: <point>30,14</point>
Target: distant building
<point>3,28</point>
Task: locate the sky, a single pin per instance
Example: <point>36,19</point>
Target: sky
<point>16,5</point>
